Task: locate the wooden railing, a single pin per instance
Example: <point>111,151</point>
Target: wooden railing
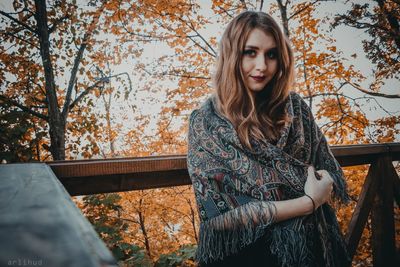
<point>381,186</point>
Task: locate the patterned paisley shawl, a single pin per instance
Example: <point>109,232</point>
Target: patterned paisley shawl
<point>234,188</point>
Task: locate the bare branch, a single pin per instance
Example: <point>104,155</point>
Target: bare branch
<point>359,88</point>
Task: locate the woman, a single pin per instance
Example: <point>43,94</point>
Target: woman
<point>261,169</point>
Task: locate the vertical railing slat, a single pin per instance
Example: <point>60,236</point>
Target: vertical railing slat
<point>382,217</point>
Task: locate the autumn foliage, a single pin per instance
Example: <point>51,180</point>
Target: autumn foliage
<point>106,79</point>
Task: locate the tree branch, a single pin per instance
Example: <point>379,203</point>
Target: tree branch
<point>77,62</point>
<point>225,11</point>
<point>96,84</point>
<point>244,4</point>
<point>202,38</point>
<point>350,21</point>
<point>26,26</point>
<point>359,88</point>
<point>301,10</point>
<point>19,38</point>
<point>72,78</point>
<point>87,91</point>
<point>200,46</point>
<point>393,22</point>
<point>165,73</point>
<point>23,108</point>
<point>57,22</point>
<point>285,21</point>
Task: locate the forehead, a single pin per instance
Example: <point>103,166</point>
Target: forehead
<point>260,39</point>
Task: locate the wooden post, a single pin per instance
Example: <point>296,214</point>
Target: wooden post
<point>382,218</point>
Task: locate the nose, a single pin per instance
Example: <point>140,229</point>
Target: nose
<point>261,63</point>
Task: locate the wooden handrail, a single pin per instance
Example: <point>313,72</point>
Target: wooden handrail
<point>381,185</point>
<point>83,177</point>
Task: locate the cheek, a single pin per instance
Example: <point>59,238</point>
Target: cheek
<point>273,66</point>
<point>246,66</point>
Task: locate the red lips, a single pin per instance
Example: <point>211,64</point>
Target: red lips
<point>258,78</point>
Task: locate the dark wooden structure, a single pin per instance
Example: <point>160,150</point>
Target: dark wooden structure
<point>40,225</point>
<point>381,186</point>
<point>38,221</point>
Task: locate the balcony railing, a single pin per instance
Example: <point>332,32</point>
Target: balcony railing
<point>380,188</point>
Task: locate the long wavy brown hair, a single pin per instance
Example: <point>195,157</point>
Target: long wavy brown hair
<point>262,117</point>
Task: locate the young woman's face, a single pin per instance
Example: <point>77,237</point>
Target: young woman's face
<point>259,61</point>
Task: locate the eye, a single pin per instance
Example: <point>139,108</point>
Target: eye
<point>272,54</point>
<point>249,52</point>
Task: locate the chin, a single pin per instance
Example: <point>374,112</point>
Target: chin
<point>257,89</point>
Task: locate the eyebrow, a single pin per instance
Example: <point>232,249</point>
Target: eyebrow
<point>256,48</point>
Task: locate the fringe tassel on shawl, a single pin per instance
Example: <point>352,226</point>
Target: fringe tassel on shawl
<point>290,245</point>
<point>292,242</point>
<point>296,246</point>
<point>228,233</point>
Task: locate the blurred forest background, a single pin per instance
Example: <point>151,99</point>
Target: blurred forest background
<point>118,78</point>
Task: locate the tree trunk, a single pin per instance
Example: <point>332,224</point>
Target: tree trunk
<point>56,122</point>
<point>57,139</point>
<point>146,238</point>
<point>143,228</point>
<point>394,28</point>
<point>284,17</point>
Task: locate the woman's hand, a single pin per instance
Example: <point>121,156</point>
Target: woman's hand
<point>318,189</point>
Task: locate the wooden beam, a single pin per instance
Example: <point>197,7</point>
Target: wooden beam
<point>361,212</point>
<point>351,155</point>
<point>144,165</point>
<point>117,175</point>
<point>124,182</point>
<point>83,177</point>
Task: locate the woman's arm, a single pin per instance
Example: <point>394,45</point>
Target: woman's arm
<point>228,212</point>
<point>318,190</point>
<point>288,209</point>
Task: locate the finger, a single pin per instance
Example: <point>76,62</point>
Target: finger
<point>325,174</point>
<point>322,172</point>
<point>318,175</point>
<point>311,172</point>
